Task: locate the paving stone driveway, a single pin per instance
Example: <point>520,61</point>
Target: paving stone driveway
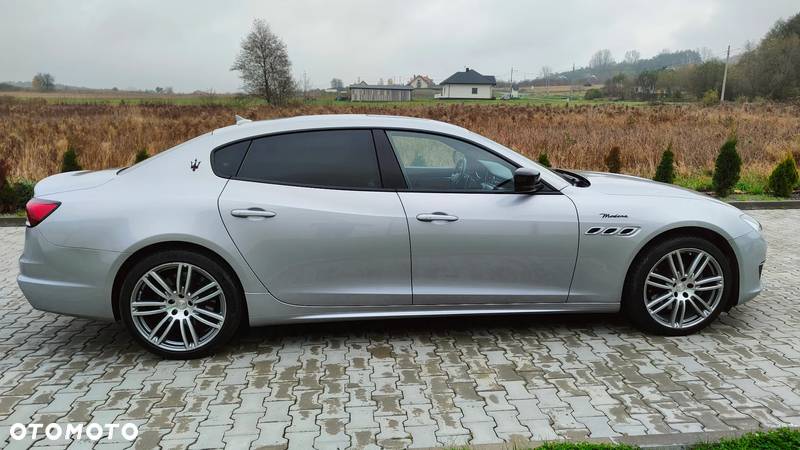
<point>417,383</point>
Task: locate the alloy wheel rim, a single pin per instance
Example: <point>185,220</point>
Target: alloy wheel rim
<point>683,288</point>
<point>178,306</point>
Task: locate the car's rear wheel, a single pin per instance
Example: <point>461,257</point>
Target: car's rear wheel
<point>678,286</point>
<point>180,304</point>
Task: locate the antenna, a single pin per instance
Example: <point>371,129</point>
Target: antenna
<point>240,120</point>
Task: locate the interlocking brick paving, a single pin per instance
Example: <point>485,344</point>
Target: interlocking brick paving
<point>412,383</point>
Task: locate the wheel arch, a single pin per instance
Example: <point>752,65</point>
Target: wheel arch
<point>694,231</point>
<point>156,247</point>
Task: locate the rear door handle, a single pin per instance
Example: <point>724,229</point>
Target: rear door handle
<point>436,216</point>
<point>253,212</point>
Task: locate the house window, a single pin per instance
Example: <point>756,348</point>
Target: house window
<point>474,91</point>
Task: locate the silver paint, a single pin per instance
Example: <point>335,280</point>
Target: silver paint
<point>324,254</point>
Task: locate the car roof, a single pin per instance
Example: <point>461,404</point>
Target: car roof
<point>247,130</point>
<point>262,127</point>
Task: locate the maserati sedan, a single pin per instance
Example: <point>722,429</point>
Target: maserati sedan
<point>342,217</point>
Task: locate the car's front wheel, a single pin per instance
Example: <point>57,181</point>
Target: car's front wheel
<point>678,286</point>
<point>180,304</point>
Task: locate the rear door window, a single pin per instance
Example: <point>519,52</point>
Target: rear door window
<point>343,159</point>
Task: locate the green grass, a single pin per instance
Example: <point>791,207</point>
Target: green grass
<point>695,181</point>
<point>584,446</point>
<point>228,100</point>
<point>780,439</point>
<point>567,446</point>
<point>235,101</point>
<point>783,438</point>
<point>550,100</point>
<point>751,197</point>
<point>751,185</point>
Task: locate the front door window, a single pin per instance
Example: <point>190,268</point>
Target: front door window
<point>438,163</point>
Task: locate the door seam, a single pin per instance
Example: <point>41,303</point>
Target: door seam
<point>236,246</point>
<point>410,253</point>
<point>577,249</point>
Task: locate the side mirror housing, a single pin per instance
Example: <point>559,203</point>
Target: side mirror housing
<point>526,180</point>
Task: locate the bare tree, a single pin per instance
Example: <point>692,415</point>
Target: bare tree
<point>336,83</point>
<point>43,82</point>
<point>546,74</point>
<point>706,54</point>
<point>601,58</point>
<point>632,56</point>
<point>264,65</point>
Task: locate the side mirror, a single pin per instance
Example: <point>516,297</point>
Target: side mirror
<point>526,180</point>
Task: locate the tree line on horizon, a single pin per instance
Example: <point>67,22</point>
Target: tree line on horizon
<point>768,70</point>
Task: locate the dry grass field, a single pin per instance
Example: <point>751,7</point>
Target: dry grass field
<point>34,133</point>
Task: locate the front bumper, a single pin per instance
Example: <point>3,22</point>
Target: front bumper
<point>66,280</point>
<point>751,251</point>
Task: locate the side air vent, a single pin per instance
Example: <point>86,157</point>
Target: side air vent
<point>612,231</point>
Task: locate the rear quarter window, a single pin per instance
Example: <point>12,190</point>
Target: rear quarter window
<point>225,161</point>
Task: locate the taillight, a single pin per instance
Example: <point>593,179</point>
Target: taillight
<point>38,210</point>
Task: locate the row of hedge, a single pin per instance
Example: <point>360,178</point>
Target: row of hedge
<point>727,170</point>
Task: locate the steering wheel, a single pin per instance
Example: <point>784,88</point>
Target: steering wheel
<point>459,173</point>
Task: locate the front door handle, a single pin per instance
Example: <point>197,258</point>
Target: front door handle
<point>253,212</point>
<point>436,216</point>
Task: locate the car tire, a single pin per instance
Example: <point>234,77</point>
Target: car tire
<point>180,304</point>
<point>678,287</point>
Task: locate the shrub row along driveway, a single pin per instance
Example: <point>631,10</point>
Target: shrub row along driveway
<point>413,383</point>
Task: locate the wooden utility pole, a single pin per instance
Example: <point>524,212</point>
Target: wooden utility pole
<point>572,82</point>
<point>725,76</point>
<point>511,93</point>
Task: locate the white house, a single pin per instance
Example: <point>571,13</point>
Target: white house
<point>421,82</point>
<point>468,84</point>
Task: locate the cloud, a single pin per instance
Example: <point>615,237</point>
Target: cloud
<point>190,44</point>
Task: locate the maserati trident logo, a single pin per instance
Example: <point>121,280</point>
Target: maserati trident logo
<point>194,164</point>
<point>613,216</point>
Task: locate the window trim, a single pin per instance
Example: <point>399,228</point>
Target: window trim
<point>547,190</point>
<point>392,176</point>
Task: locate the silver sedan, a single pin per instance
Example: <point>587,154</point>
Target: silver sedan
<point>356,217</point>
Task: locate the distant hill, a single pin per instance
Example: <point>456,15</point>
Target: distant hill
<point>601,74</point>
<point>59,87</point>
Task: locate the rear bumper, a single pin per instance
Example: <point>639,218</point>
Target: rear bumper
<point>66,280</point>
<point>751,250</point>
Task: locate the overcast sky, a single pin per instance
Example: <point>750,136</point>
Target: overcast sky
<point>190,45</point>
